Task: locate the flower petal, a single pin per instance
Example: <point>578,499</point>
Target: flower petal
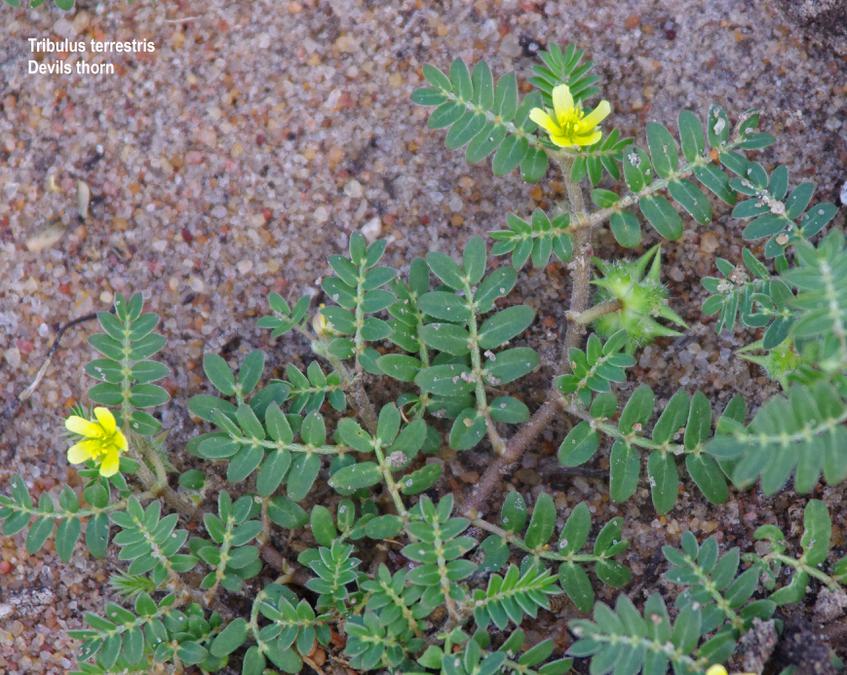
<point>110,464</point>
<point>106,419</point>
<point>79,452</point>
<point>80,425</point>
<point>120,440</point>
<point>589,139</point>
<point>597,115</point>
<point>562,101</point>
<point>562,141</point>
<point>544,120</point>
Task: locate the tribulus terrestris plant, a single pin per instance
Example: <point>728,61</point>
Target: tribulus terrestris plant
<point>337,535</point>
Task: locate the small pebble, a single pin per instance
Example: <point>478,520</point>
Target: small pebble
<point>709,242</point>
<point>13,357</point>
<point>321,215</point>
<point>372,229</point>
<point>353,189</point>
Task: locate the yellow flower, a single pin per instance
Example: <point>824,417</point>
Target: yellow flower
<point>102,441</point>
<point>568,125</point>
<point>716,670</point>
<point>320,324</point>
<point>720,670</point>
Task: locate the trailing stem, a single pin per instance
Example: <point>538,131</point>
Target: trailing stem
<point>155,480</point>
<point>352,382</point>
<point>497,442</point>
<point>580,278</point>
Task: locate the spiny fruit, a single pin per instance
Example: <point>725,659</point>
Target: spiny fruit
<point>641,296</point>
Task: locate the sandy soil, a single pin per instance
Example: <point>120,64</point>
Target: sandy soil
<point>232,160</point>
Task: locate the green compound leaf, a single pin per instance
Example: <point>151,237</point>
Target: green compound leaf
<point>485,118</point>
<point>514,596</point>
<point>536,240</point>
<point>126,372</point>
<point>647,643</point>
<point>597,368</point>
<point>684,427</point>
<point>712,583</point>
<point>820,305</point>
<point>284,317</point>
<point>572,539</point>
<point>816,543</point>
<point>662,171</point>
<point>801,434</point>
<point>564,65</point>
<point>774,216</point>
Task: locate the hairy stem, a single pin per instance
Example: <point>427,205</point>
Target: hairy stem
<point>443,574</point>
<point>81,513</point>
<point>580,287</point>
<point>593,313</point>
<point>352,382</point>
<point>497,442</point>
<point>265,535</point>
<point>156,480</point>
<point>220,570</point>
<point>388,479</point>
<point>720,600</point>
<point>280,563</point>
<point>801,566</point>
<point>176,584</point>
<point>542,552</point>
<point>571,407</point>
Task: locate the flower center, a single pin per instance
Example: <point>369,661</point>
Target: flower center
<point>106,443</point>
<point>569,120</point>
